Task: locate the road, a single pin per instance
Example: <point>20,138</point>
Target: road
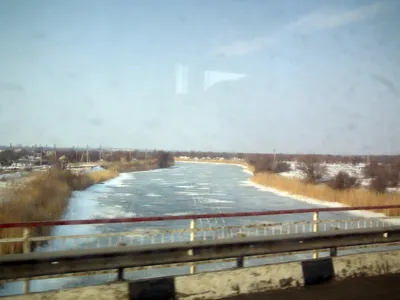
<point>373,288</point>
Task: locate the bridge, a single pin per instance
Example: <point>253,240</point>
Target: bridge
<point>183,257</point>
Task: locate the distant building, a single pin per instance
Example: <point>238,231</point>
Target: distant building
<point>50,153</point>
<point>63,161</point>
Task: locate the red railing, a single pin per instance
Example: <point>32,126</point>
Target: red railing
<point>195,232</point>
<point>196,216</point>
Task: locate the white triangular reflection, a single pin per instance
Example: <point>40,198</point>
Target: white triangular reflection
<point>213,77</point>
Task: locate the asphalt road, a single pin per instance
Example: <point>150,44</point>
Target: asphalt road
<point>372,288</point>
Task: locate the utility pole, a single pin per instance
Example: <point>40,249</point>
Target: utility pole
<point>274,158</point>
<point>87,153</point>
<point>100,153</point>
<point>41,153</point>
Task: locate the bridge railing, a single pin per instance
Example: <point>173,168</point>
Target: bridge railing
<point>63,262</point>
<point>164,229</point>
<point>153,235</point>
<point>181,228</point>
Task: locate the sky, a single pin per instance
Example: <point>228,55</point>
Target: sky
<point>310,76</point>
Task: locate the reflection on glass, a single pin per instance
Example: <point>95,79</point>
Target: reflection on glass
<point>213,77</point>
<point>181,76</point>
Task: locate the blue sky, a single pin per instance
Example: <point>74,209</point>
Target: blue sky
<point>296,76</point>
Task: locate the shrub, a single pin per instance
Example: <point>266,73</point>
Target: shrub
<point>372,170</point>
<point>311,170</point>
<point>355,160</point>
<point>383,176</point>
<point>343,181</point>
<point>379,184</point>
<point>381,180</point>
<point>282,167</point>
<point>164,159</point>
<point>263,165</point>
<point>393,178</point>
<point>393,171</point>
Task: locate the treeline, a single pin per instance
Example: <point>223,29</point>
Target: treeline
<point>158,160</point>
<point>112,156</point>
<point>210,155</point>
<point>7,157</point>
<point>42,157</point>
<point>327,158</point>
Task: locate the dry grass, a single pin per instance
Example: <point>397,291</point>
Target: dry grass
<point>101,176</point>
<point>43,198</point>
<point>352,197</point>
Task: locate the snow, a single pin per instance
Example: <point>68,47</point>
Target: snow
<point>355,170</point>
<point>332,169</point>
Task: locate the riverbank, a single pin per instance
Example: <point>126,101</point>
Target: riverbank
<point>322,192</point>
<point>43,198</point>
<point>237,162</point>
<point>314,193</point>
<point>240,163</point>
<point>46,196</point>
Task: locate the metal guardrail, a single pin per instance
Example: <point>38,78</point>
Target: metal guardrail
<point>381,208</point>
<point>61,262</point>
<point>151,233</point>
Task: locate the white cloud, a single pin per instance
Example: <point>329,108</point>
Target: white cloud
<point>322,19</point>
<point>328,18</point>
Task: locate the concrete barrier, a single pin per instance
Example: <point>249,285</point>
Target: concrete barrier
<point>367,264</point>
<point>221,284</point>
<point>287,275</point>
<point>118,291</point>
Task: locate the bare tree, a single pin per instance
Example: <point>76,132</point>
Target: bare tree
<point>312,170</point>
<point>282,166</point>
<point>343,181</point>
<point>380,183</point>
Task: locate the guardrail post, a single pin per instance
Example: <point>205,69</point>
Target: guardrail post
<point>333,252</point>
<point>26,247</point>
<point>120,271</point>
<point>192,239</point>
<point>240,262</point>
<point>316,229</point>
